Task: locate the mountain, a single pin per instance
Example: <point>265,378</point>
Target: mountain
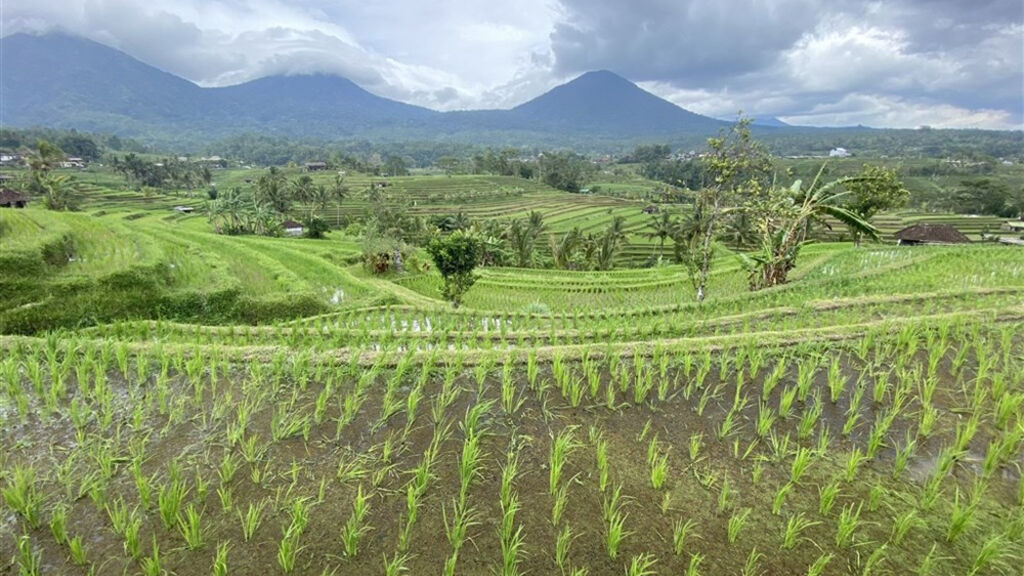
<point>67,82</point>
<point>63,81</point>
<point>768,122</point>
<point>314,103</point>
<point>606,102</point>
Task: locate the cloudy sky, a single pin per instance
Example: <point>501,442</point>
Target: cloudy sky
<point>943,63</point>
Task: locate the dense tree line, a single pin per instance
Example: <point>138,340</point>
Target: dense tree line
<point>168,173</point>
<point>261,208</point>
<point>683,173</point>
<point>72,143</point>
<point>920,143</point>
<point>359,155</point>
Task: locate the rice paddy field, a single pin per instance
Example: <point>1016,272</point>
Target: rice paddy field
<point>177,402</point>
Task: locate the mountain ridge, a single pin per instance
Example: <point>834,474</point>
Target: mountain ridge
<point>62,81</point>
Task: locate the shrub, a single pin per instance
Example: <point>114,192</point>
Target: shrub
<point>455,257</point>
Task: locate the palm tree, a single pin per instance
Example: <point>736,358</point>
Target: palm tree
<point>738,230</point>
<point>522,238</point>
<point>46,157</point>
<point>228,212</point>
<point>272,190</point>
<point>536,222</point>
<point>262,218</point>
<point>617,228</point>
<point>564,251</point>
<point>59,191</point>
<point>662,227</point>
<point>40,162</point>
<point>339,191</point>
<point>608,245</point>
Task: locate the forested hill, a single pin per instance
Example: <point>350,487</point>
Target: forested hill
<point>66,82</point>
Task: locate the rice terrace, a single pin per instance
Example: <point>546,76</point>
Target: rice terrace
<point>257,324</point>
<point>184,402</point>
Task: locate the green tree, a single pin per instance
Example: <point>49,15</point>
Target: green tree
<point>45,157</point>
<point>564,170</point>
<point>987,196</point>
<point>566,251</point>
<point>314,198</point>
<point>651,153</point>
<point>79,145</point>
<point>227,212</point>
<point>522,239</point>
<point>782,216</point>
<point>455,256</point>
<point>395,166</point>
<point>450,165</point>
<point>452,222</point>
<point>338,191</point>
<point>493,251</point>
<point>662,227</point>
<point>60,191</point>
<point>737,167</point>
<point>608,245</point>
<point>875,190</point>
<point>272,190</point>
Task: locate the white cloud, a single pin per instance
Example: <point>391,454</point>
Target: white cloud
<point>936,62</point>
<point>842,58</point>
<point>894,112</point>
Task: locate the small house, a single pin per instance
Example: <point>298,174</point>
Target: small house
<point>1014,226</point>
<point>930,234</point>
<point>651,209</point>
<point>839,153</point>
<point>291,228</point>
<point>11,199</point>
<point>72,162</point>
<point>316,166</point>
<point>184,209</point>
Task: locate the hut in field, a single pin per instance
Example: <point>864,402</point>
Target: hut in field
<point>11,199</point>
<point>291,228</point>
<point>651,209</point>
<point>930,234</point>
<point>316,166</point>
<point>1014,226</point>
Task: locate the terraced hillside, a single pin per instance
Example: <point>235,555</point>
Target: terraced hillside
<point>242,405</point>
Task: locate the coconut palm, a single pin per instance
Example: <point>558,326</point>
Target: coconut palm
<point>564,251</point>
<point>662,227</point>
<point>535,221</point>
<point>609,244</point>
<point>272,191</point>
<point>59,191</point>
<point>339,192</point>
<point>522,238</point>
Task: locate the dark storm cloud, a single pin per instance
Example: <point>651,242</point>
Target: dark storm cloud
<point>793,57</point>
<point>659,40</point>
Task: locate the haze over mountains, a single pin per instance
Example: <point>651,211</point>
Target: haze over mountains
<point>61,81</point>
